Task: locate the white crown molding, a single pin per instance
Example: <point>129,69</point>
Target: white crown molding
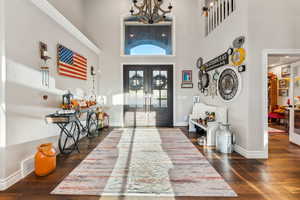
<point>53,13</point>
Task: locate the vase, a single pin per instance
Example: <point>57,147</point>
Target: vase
<point>45,160</point>
<point>225,139</point>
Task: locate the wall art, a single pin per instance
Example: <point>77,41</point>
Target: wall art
<point>203,80</point>
<point>217,62</point>
<point>283,83</point>
<point>229,84</point>
<point>71,64</point>
<point>283,92</point>
<point>199,63</point>
<point>187,79</point>
<point>238,57</point>
<point>213,87</point>
<point>286,71</point>
<point>187,76</point>
<point>239,42</point>
<point>45,70</point>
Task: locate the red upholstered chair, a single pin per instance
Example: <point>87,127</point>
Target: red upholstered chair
<point>275,114</point>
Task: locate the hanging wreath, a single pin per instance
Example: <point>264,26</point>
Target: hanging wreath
<point>136,82</point>
<point>159,82</point>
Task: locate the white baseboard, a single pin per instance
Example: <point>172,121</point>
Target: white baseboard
<point>27,166</point>
<point>115,124</point>
<point>120,124</point>
<point>10,180</point>
<point>250,154</point>
<point>178,124</point>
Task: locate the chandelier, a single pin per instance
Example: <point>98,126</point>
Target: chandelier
<point>149,11</point>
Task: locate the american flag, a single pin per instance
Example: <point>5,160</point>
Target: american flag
<point>71,64</point>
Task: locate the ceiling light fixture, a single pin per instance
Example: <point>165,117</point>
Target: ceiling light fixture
<point>150,11</point>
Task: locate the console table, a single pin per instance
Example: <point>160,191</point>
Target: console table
<point>71,127</point>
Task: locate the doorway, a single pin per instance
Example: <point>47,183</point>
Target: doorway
<point>283,92</point>
<point>148,95</point>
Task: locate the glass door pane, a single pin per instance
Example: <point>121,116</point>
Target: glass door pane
<point>135,114</point>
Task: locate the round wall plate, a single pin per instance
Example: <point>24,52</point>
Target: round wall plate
<point>216,75</point>
<point>229,84</point>
<point>205,80</point>
<point>239,42</point>
<point>238,57</point>
<point>199,62</point>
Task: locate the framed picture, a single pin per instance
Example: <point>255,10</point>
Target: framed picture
<point>283,83</point>
<point>187,76</point>
<point>283,92</point>
<point>286,71</point>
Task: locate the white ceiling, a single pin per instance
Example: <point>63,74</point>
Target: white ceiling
<point>277,60</point>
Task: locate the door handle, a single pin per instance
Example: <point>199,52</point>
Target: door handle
<point>150,103</point>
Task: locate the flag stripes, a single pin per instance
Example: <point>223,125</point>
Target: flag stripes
<point>71,64</point>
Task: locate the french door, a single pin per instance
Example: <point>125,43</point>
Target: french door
<point>148,95</point>
<point>295,104</point>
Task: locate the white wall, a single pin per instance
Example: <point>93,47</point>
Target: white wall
<point>275,25</point>
<point>103,22</point>
<point>2,75</point>
<point>26,109</point>
<point>2,84</point>
<point>217,43</point>
<point>73,10</point>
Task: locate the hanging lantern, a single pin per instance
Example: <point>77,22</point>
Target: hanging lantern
<point>44,69</point>
<point>67,99</point>
<point>205,11</point>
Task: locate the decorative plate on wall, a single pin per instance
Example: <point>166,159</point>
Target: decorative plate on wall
<point>229,84</point>
<point>199,62</point>
<point>238,57</point>
<point>203,80</point>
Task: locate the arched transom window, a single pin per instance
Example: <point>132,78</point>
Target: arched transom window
<point>144,39</point>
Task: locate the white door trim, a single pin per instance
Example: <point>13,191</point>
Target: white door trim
<point>294,138</point>
<point>265,55</point>
<point>156,63</point>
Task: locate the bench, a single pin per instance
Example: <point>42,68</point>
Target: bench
<point>199,110</point>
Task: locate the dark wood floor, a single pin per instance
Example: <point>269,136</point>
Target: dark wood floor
<point>275,179</point>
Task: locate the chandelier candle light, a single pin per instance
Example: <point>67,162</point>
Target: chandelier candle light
<point>150,11</point>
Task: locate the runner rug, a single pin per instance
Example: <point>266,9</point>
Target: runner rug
<point>145,162</point>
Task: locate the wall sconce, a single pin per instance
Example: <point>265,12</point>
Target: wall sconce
<point>44,69</point>
<point>205,11</point>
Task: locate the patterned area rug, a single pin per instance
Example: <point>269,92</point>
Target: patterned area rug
<point>145,162</point>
